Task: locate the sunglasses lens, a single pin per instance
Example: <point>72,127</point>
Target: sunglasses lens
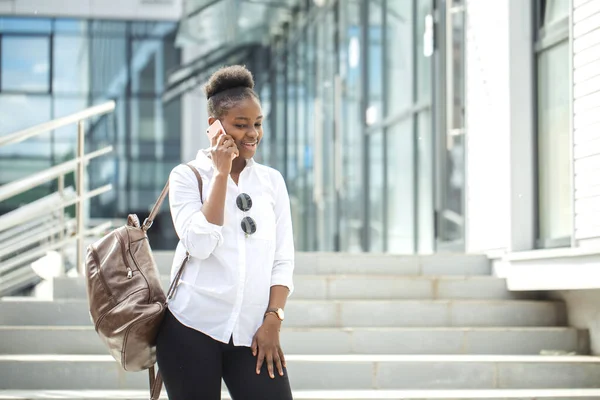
<point>244,202</point>
<point>248,225</point>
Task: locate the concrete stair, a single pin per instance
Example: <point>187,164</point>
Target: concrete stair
<point>357,327</point>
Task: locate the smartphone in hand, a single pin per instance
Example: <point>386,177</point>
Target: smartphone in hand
<point>214,129</point>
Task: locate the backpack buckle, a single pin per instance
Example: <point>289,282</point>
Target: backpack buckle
<point>147,224</point>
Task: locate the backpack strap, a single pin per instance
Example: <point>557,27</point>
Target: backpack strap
<point>198,177</point>
<point>156,381</point>
<point>163,195</point>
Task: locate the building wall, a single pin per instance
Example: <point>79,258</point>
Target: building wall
<point>502,211</point>
<point>586,119</point>
<point>95,9</point>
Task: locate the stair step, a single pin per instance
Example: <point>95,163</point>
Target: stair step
<point>370,263</point>
<point>554,394</point>
<point>84,340</point>
<point>342,287</point>
<point>346,313</point>
<point>327,372</point>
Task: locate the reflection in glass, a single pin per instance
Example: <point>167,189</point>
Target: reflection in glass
<point>555,10</point>
<point>25,25</point>
<point>25,63</point>
<point>423,54</point>
<point>554,166</point>
<point>400,188</point>
<point>71,64</point>
<point>352,203</point>
<point>108,66</point>
<point>71,26</point>
<point>376,192</point>
<point>425,205</point>
<point>20,111</point>
<point>399,50</point>
<point>375,60</point>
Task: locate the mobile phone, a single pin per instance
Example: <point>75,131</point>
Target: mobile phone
<point>213,130</point>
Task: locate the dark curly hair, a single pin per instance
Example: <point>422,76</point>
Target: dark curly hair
<point>226,87</point>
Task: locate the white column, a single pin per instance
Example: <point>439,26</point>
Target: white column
<point>499,123</point>
<point>523,204</point>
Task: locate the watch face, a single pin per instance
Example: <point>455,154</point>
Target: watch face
<point>280,314</point>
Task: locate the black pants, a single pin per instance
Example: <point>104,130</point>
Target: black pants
<point>192,365</point>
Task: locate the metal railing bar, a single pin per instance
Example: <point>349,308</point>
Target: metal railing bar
<point>90,194</point>
<point>18,279</point>
<point>25,134</point>
<point>42,250</point>
<point>31,256</point>
<point>20,242</point>
<point>20,228</point>
<point>14,188</point>
<point>36,207</point>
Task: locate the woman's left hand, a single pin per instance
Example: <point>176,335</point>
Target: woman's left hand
<point>266,345</point>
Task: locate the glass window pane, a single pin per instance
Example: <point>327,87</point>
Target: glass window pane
<point>109,28</point>
<point>71,65</point>
<point>556,10</point>
<point>376,192</point>
<point>19,112</point>
<point>28,25</point>
<point>400,188</point>
<point>66,25</point>
<point>375,59</point>
<point>152,60</point>
<point>553,143</point>
<point>291,133</point>
<point>425,175</point>
<point>424,50</point>
<point>352,204</point>
<point>108,65</point>
<point>25,63</point>
<point>65,138</point>
<point>399,50</point>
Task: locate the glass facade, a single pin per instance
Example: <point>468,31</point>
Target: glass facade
<point>352,124</point>
<point>50,68</point>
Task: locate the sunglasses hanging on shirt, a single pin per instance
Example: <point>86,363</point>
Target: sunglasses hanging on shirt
<point>244,203</point>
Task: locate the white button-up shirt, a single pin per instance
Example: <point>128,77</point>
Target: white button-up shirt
<point>225,287</point>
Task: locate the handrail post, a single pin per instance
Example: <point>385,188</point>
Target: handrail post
<point>61,235</point>
<point>80,193</point>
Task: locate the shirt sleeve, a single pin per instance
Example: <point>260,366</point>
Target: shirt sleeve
<point>199,237</point>
<point>283,266</point>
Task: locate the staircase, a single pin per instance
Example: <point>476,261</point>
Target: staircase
<point>357,327</point>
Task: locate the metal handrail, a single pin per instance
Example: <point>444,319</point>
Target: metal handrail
<point>36,130</point>
<point>78,165</point>
<point>14,188</point>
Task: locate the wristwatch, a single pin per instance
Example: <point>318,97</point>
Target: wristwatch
<point>278,312</point>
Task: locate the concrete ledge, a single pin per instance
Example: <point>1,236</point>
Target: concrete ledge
<point>554,269</point>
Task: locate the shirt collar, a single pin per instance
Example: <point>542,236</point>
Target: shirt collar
<point>203,158</point>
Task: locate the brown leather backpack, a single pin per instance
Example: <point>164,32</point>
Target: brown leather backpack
<point>126,300</point>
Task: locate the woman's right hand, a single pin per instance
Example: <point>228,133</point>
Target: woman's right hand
<point>223,152</point>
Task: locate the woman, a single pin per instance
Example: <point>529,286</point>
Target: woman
<point>225,318</point>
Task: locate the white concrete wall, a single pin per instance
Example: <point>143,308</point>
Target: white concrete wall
<point>100,9</point>
<point>586,119</point>
<point>500,191</point>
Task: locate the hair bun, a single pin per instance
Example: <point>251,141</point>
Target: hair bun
<point>228,78</point>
